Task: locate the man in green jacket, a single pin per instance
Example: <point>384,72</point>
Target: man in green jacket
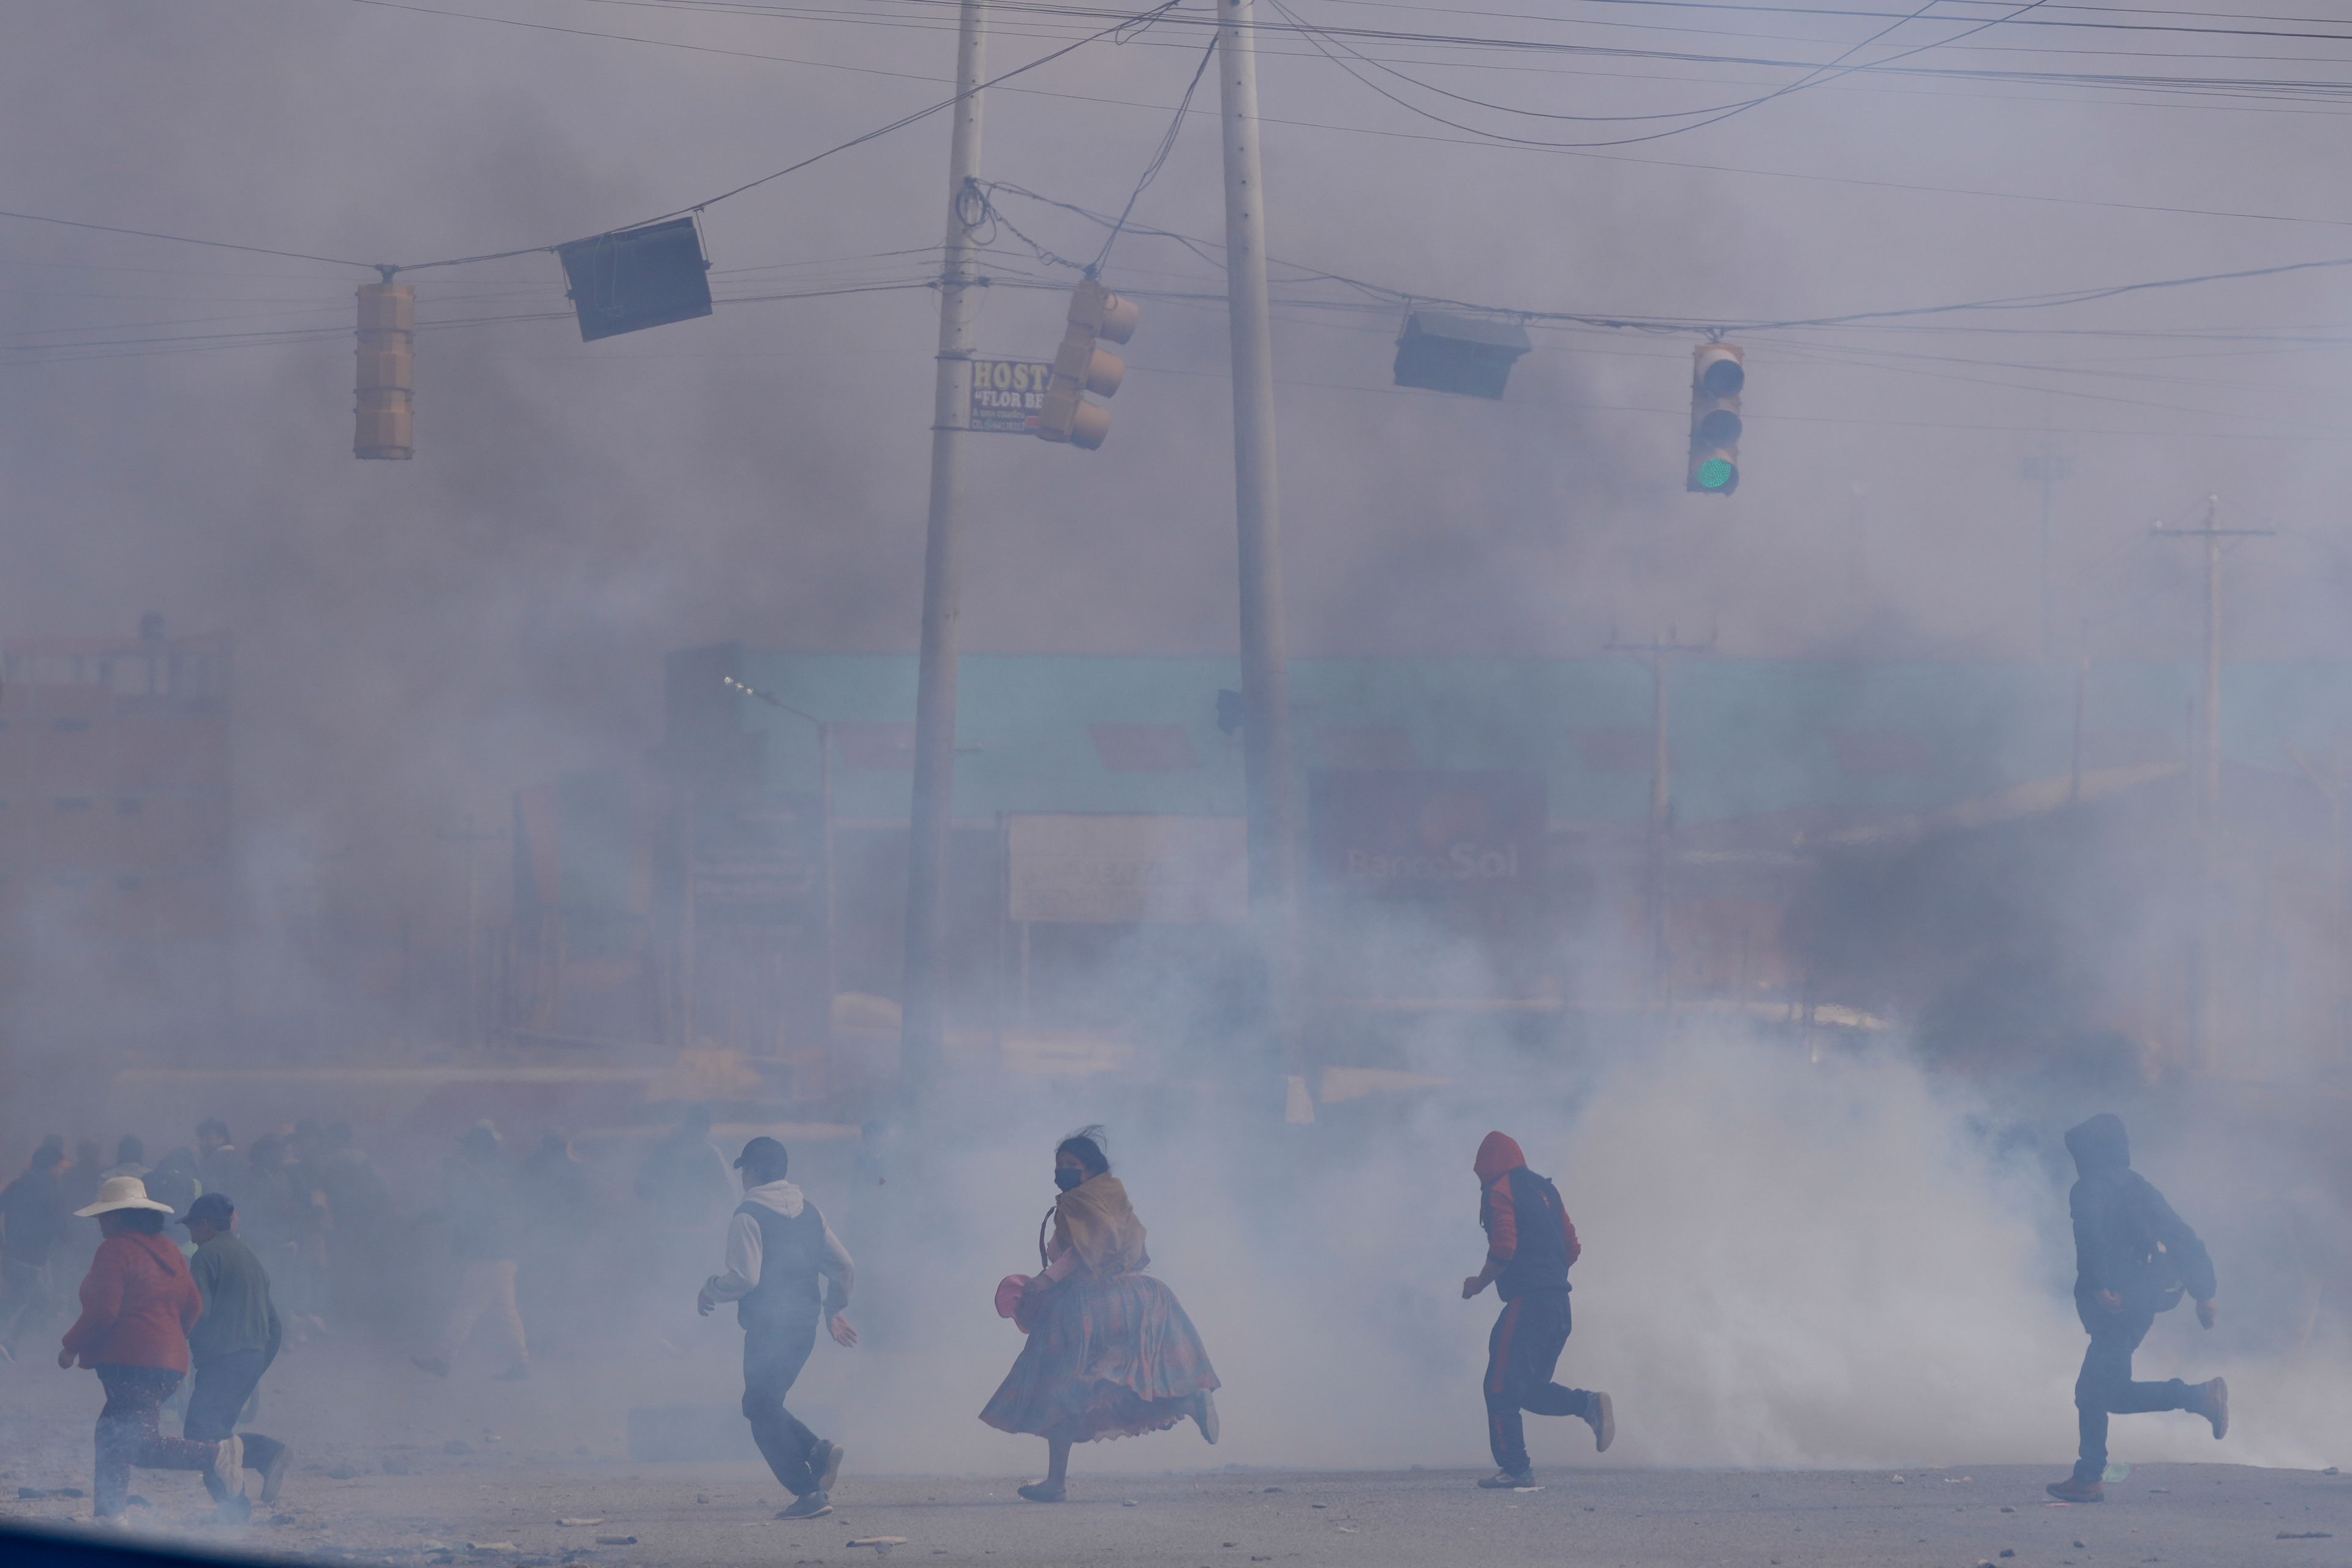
<point>231,1344</point>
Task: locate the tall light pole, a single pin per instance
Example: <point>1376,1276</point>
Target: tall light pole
<point>1265,671</point>
<point>2046,468</point>
<point>2204,1014</point>
<point>1657,650</point>
<point>932,816</point>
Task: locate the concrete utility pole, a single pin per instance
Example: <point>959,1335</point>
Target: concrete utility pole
<point>931,819</point>
<point>1266,673</point>
<point>2046,468</point>
<point>2203,1013</point>
<point>1657,650</point>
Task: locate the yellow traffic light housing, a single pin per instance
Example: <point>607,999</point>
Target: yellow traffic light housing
<point>385,412</point>
<point>1718,371</point>
<point>1079,367</point>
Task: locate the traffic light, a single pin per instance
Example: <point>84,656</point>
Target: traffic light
<point>385,414</point>
<point>1079,367</point>
<point>1718,372</point>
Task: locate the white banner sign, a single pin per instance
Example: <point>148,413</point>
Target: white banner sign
<point>1128,871</point>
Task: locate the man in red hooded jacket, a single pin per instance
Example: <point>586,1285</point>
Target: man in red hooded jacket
<point>1529,1244</point>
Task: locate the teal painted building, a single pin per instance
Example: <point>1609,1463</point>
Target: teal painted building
<point>1750,738</point>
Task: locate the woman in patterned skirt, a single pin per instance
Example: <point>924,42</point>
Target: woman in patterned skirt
<point>1111,1352</point>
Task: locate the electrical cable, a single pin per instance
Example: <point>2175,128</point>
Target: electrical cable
<point>1721,111</point>
<point>1816,76</point>
<point>184,240</point>
<point>1159,158</point>
<point>1146,17</point>
<point>1398,297</point>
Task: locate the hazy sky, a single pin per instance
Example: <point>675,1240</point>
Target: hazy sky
<point>416,640</point>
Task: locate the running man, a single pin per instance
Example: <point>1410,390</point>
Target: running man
<point>1529,1244</point>
<point>786,1269</point>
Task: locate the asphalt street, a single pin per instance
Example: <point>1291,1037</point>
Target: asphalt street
<point>500,1513</point>
<point>397,1467</point>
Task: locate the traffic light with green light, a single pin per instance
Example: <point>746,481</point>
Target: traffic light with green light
<point>1718,371</point>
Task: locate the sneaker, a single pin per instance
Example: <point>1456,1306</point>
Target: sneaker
<point>815,1505</point>
<point>1507,1480</point>
<point>228,1465</point>
<point>432,1364</point>
<point>273,1474</point>
<point>2074,1491</point>
<point>1042,1491</point>
<point>2217,1406</point>
<point>1603,1421</point>
<point>1204,1415</point>
<point>825,1463</point>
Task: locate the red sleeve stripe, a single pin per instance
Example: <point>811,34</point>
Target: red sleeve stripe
<point>1503,1228</point>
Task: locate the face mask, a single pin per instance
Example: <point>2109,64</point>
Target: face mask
<point>1066,1178</point>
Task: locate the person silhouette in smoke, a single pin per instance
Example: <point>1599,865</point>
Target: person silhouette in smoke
<point>786,1269</point>
<point>2133,1257</point>
<point>1529,1244</point>
<point>34,1219</point>
<point>485,1224</point>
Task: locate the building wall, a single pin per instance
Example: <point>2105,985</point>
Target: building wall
<point>117,832</point>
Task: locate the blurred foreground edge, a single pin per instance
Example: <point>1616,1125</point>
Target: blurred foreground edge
<point>23,1545</point>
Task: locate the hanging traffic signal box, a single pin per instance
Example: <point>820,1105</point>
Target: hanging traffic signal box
<point>385,407</point>
<point>1717,374</point>
<point>1079,367</point>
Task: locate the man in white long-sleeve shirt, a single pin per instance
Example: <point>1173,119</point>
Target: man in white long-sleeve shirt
<point>786,1269</point>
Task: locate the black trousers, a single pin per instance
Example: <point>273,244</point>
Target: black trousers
<point>2106,1387</point>
<point>772,1359</point>
<point>1521,1354</point>
<point>223,1383</point>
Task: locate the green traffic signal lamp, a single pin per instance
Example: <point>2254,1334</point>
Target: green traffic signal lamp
<point>1719,376</point>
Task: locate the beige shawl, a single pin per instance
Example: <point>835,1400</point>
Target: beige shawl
<point>1094,1219</point>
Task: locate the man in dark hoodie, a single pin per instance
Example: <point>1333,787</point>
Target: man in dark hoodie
<point>785,1269</point>
<point>1529,1244</point>
<point>2133,1258</point>
<point>34,1219</point>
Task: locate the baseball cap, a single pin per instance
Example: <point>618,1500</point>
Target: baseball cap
<point>213,1209</point>
<point>764,1152</point>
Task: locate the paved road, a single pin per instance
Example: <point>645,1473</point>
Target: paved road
<point>2204,1515</point>
<point>392,1464</point>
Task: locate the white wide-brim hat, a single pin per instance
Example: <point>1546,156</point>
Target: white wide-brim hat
<point>122,1192</point>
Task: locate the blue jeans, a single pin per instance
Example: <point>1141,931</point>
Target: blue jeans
<point>772,1359</point>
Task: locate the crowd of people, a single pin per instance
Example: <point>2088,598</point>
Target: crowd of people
<point>1110,1351</point>
<point>217,1256</point>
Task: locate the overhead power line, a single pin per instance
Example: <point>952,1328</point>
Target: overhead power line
<point>1398,297</point>
<point>1140,18</point>
<point>184,240</point>
<point>1326,42</point>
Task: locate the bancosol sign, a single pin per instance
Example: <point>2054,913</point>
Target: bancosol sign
<point>1428,834</point>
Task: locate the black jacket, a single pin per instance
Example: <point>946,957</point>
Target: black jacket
<point>34,1217</point>
<point>2126,1237</point>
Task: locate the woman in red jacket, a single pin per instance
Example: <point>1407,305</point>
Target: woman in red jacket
<point>138,1303</point>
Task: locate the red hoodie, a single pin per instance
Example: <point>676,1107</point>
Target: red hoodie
<point>138,1303</point>
<point>1510,1193</point>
